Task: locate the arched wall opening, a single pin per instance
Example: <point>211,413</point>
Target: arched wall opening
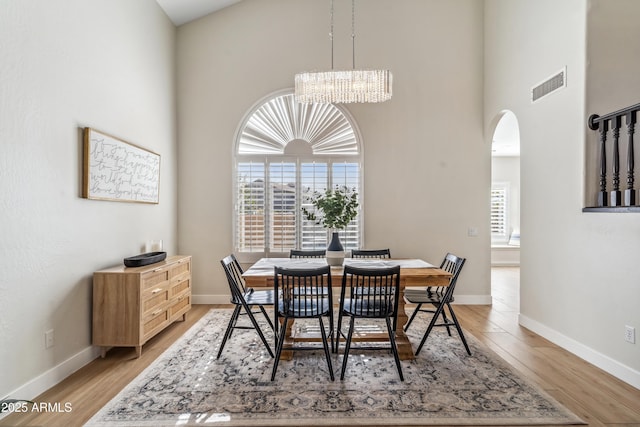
<point>505,209</point>
<point>505,190</point>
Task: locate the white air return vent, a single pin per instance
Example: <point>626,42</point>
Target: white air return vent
<point>550,85</point>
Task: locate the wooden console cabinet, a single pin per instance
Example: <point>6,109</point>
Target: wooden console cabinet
<point>132,304</point>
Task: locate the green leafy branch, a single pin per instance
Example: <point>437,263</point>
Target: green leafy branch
<point>334,209</point>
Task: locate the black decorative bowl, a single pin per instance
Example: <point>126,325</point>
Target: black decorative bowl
<point>145,259</point>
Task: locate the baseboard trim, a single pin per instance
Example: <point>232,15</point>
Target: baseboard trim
<point>53,376</point>
<point>473,299</point>
<point>613,367</point>
<point>210,299</point>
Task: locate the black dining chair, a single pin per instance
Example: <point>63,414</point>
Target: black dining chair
<point>244,299</point>
<point>373,293</point>
<point>297,253</point>
<point>371,253</point>
<point>303,294</point>
<point>438,297</point>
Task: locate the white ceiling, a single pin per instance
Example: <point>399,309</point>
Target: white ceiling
<point>183,11</point>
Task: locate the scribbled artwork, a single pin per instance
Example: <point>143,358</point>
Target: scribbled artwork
<point>117,170</point>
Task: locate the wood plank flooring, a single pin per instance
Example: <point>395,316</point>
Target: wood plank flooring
<point>597,397</point>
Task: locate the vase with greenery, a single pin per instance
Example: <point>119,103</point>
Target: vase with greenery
<point>334,209</point>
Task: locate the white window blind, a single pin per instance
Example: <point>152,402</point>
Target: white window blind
<point>348,174</point>
<point>285,152</point>
<point>289,188</point>
<point>499,209</point>
<point>250,207</point>
<point>283,203</point>
<point>315,178</point>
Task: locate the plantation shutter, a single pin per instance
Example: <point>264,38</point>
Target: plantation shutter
<point>348,174</point>
<point>499,212</point>
<point>286,151</point>
<point>314,178</point>
<point>283,202</point>
<point>250,207</point>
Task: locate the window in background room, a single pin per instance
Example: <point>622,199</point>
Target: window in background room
<point>499,212</point>
<point>285,152</point>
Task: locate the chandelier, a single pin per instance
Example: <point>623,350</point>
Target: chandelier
<point>346,86</point>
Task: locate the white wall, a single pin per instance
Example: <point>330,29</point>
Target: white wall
<point>578,281</point>
<point>427,167</point>
<point>507,169</point>
<point>107,64</point>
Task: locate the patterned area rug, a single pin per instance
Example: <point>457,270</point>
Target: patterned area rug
<point>443,385</point>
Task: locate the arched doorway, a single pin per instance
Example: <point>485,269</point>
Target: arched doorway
<point>505,209</point>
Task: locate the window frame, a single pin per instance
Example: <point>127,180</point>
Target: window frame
<point>266,159</point>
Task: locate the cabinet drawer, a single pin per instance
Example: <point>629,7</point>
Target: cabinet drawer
<point>154,278</point>
<point>154,299</point>
<point>179,288</point>
<point>180,306</point>
<point>154,322</point>
<point>180,268</point>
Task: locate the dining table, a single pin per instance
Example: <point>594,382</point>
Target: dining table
<point>413,272</point>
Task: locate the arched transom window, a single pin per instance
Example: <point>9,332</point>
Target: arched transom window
<point>286,151</point>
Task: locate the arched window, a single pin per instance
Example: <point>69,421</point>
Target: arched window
<point>285,151</point>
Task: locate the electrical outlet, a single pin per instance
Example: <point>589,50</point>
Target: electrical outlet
<point>48,339</point>
<point>630,334</point>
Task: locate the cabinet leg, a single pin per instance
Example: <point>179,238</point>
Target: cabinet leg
<point>138,351</point>
<point>103,352</point>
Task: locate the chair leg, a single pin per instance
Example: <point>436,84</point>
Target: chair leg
<point>276,327</point>
<point>266,316</point>
<point>257,327</point>
<point>446,321</point>
<point>325,344</point>
<point>430,327</point>
<point>394,348</point>
<point>457,325</point>
<point>331,331</point>
<point>279,350</point>
<point>338,333</point>
<point>230,326</point>
<point>346,348</point>
<point>406,327</point>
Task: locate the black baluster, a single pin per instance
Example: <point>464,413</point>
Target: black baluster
<point>630,193</point>
<point>602,195</point>
<point>615,194</point>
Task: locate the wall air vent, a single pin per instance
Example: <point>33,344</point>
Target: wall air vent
<point>553,83</point>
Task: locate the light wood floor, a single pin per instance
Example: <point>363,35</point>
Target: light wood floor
<point>595,396</point>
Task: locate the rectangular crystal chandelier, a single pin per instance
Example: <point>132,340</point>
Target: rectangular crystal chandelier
<point>341,87</point>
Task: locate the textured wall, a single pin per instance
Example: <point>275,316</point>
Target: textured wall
<point>108,64</point>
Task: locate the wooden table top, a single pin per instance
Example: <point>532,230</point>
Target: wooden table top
<point>413,272</point>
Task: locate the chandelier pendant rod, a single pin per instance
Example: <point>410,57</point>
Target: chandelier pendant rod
<point>353,34</point>
<point>331,34</point>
